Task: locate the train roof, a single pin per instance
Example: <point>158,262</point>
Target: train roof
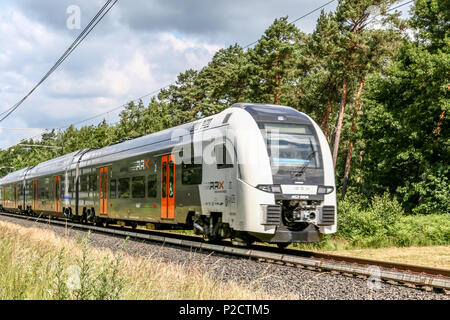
<point>270,112</point>
<point>150,142</point>
<point>114,152</point>
<point>14,176</point>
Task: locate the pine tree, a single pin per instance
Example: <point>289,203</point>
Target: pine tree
<point>272,63</point>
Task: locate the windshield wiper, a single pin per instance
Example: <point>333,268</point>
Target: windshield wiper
<point>302,169</point>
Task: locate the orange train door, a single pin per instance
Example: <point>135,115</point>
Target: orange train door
<point>104,190</point>
<point>34,194</point>
<point>57,193</point>
<point>168,187</point>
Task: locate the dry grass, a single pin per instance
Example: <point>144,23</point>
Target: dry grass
<point>38,264</point>
<point>431,256</point>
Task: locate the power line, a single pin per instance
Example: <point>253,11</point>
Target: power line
<point>304,16</point>
<point>38,146</point>
<point>72,47</point>
<point>97,18</point>
<point>391,9</point>
<point>158,90</point>
<point>21,129</point>
<point>401,5</point>
<point>93,117</point>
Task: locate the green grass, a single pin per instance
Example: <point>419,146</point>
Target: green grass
<point>37,264</point>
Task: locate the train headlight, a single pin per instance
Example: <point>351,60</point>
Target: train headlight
<point>325,189</point>
<point>276,188</point>
<point>269,188</point>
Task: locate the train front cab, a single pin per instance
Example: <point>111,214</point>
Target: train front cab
<point>288,195</point>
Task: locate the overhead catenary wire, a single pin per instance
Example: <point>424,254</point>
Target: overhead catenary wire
<point>389,10</point>
<point>294,21</point>
<point>93,117</point>
<point>21,129</point>
<point>91,25</point>
<point>158,90</point>
<point>166,86</point>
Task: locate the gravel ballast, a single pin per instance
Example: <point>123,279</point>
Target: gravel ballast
<point>275,279</point>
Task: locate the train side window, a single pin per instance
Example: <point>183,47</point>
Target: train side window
<point>191,173</point>
<point>83,183</point>
<point>152,186</point>
<point>71,184</point>
<point>124,188</point>
<point>92,185</point>
<point>223,157</point>
<point>93,182</point>
<point>138,187</point>
<point>112,189</point>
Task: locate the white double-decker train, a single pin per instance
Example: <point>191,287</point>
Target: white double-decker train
<point>252,172</point>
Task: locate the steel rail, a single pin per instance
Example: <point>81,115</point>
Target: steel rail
<point>393,272</point>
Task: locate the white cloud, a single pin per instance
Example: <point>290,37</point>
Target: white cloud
<point>107,70</point>
<point>139,47</point>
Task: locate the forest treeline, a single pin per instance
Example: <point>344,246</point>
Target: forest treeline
<point>376,84</point>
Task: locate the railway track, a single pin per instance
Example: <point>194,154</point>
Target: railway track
<point>426,278</point>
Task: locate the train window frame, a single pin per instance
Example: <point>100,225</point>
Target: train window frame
<point>119,192</point>
<point>83,185</point>
<point>221,152</point>
<point>154,187</point>
<point>113,190</point>
<point>132,187</point>
<point>171,179</point>
<point>190,168</point>
<point>71,186</point>
<point>93,184</point>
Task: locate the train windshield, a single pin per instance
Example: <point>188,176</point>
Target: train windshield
<point>291,145</point>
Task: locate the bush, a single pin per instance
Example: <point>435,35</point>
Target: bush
<point>371,224</point>
<point>384,223</point>
<point>433,229</point>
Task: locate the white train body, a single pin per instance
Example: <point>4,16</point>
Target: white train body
<point>248,209</point>
<point>265,173</point>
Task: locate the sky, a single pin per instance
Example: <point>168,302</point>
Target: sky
<point>139,47</point>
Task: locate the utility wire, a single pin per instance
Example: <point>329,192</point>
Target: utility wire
<point>97,18</point>
<point>391,9</point>
<point>93,117</point>
<point>304,16</point>
<point>158,90</point>
<point>162,88</point>
<point>21,129</point>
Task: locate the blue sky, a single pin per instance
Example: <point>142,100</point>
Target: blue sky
<point>140,46</point>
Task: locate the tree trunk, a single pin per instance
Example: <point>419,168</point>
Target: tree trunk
<point>298,91</point>
<point>439,124</point>
<point>324,124</point>
<point>277,83</point>
<point>348,161</point>
<point>337,137</point>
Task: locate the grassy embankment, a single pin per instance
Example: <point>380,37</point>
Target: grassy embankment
<point>38,264</point>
